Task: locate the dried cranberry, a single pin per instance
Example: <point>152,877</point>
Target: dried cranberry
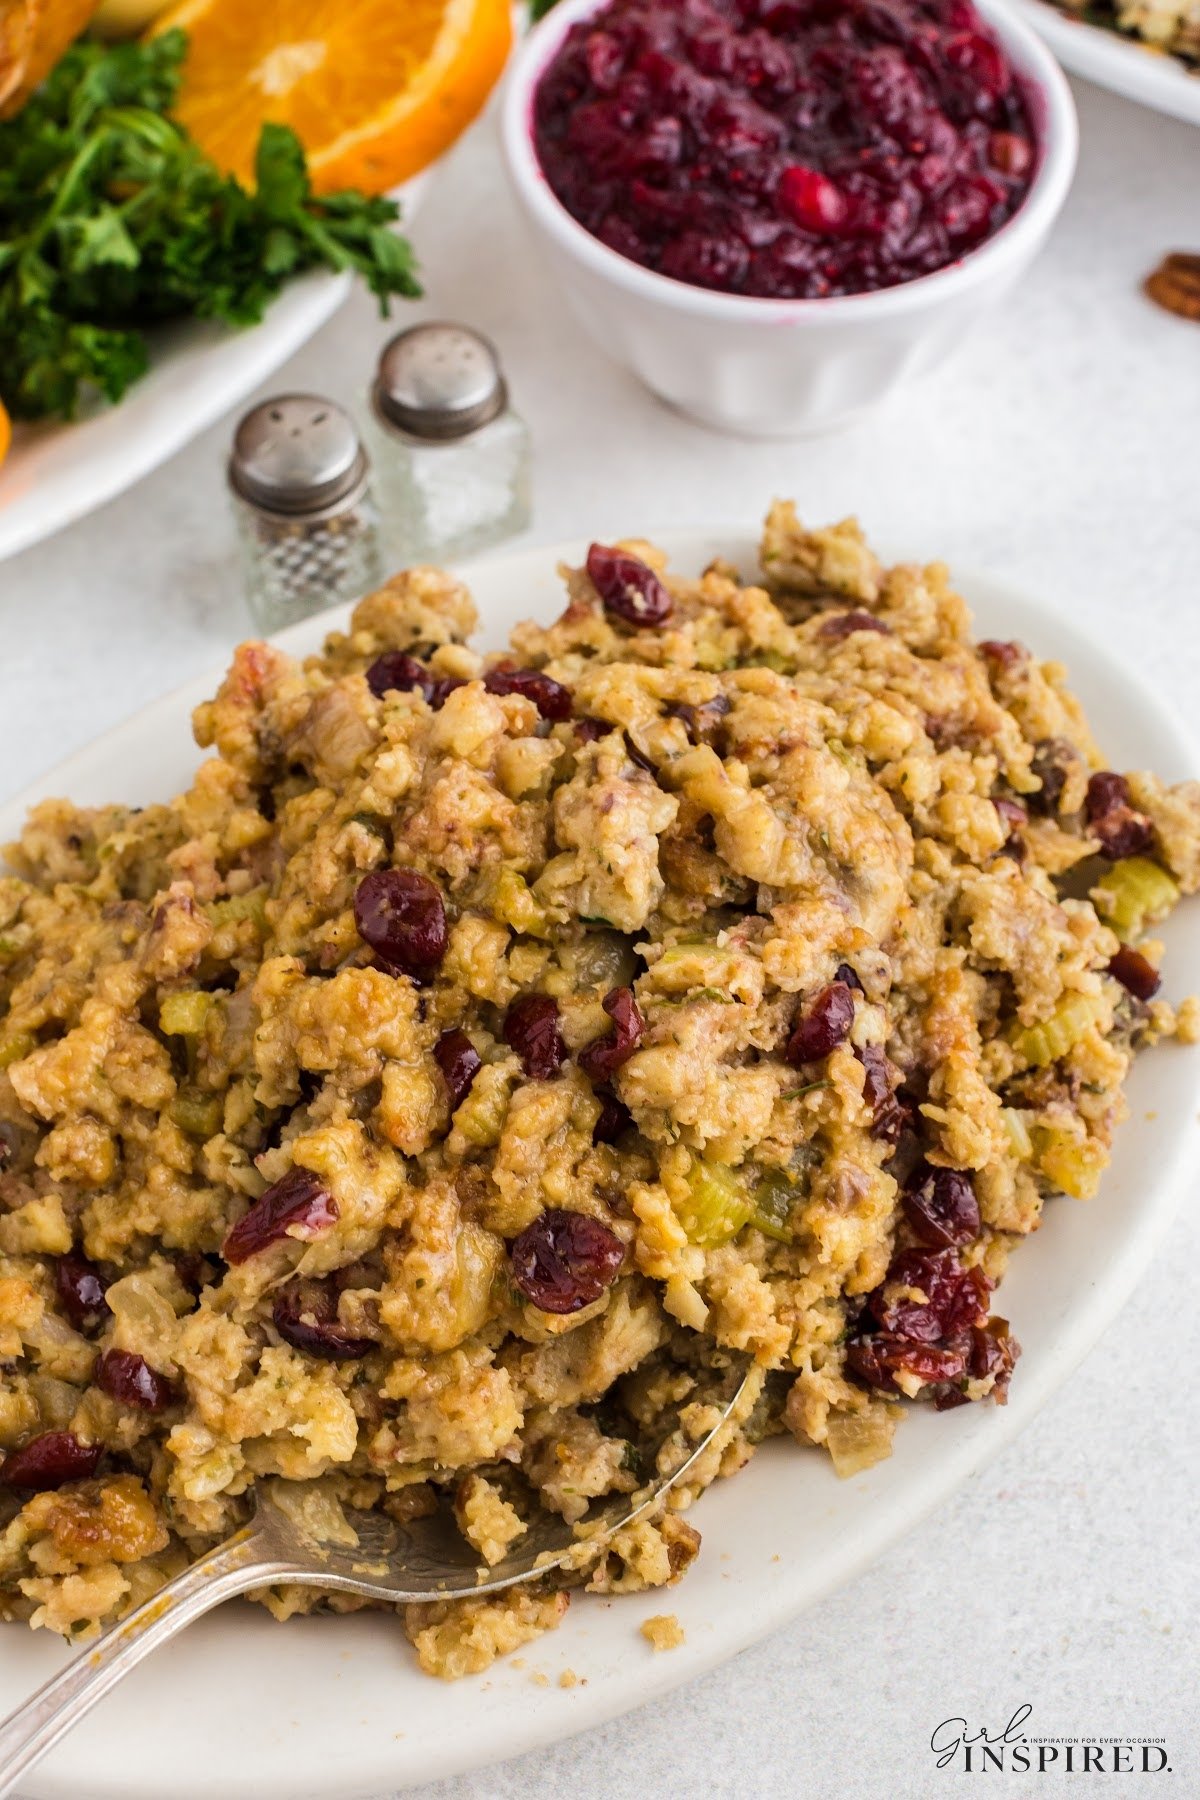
<point>442,688</point>
<point>1051,762</point>
<point>630,591</point>
<point>877,1358</point>
<point>704,724</point>
<point>892,1116</point>
<point>306,1316</point>
<point>840,625</point>
<point>1006,654</point>
<point>1125,834</point>
<point>565,1260</point>
<point>1119,828</point>
<point>49,1461</point>
<point>531,1029</point>
<point>941,1207</point>
<point>822,1026</point>
<point>615,1117</point>
<point>192,1269</point>
<point>846,975</point>
<point>1012,812</point>
<point>588,730</point>
<point>1135,973</point>
<point>994,1351</point>
<point>551,698</point>
<point>460,1062</point>
<point>955,1297</point>
<point>129,1378</point>
<point>81,1289</point>
<point>397,672</point>
<point>298,1205</point>
<point>402,916</point>
<point>1106,790</point>
<point>602,1058</point>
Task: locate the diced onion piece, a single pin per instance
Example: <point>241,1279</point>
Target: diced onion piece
<point>480,1118</point>
<point>857,1440</point>
<point>141,1309</point>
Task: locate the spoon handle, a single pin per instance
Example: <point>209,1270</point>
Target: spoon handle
<point>242,1561</point>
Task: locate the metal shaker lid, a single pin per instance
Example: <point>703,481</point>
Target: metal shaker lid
<point>296,454</point>
<point>439,381</point>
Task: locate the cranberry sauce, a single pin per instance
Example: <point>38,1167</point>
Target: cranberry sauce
<point>786,148</point>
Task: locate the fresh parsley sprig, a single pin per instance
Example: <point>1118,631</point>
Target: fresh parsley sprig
<point>112,220</point>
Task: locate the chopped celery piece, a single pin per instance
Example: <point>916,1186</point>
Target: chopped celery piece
<point>718,1204</point>
<point>1020,1142</point>
<point>1135,893</point>
<point>1073,1164</point>
<point>16,1046</point>
<point>198,1115</point>
<point>1070,1021</point>
<point>513,904</point>
<point>774,1198</point>
<point>183,1015</point>
<point>236,907</point>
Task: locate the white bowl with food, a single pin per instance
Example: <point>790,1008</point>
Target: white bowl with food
<point>778,367</point>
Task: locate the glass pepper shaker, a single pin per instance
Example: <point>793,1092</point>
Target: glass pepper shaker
<point>451,457</point>
<point>307,525</point>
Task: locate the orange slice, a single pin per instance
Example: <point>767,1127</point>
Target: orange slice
<point>33,36</point>
<point>375,89</point>
<point>5,432</point>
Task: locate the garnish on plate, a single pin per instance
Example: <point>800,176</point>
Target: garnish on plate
<point>112,220</point>
<point>375,91</point>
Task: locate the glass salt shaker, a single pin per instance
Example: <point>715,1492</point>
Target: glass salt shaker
<point>307,525</point>
<point>451,457</point>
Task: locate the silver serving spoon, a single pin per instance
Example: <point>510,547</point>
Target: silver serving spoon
<point>426,1559</point>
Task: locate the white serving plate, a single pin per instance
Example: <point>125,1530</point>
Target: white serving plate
<point>1115,61</point>
<point>56,473</point>
<point>334,1708</point>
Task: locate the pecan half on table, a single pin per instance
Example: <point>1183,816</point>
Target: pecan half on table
<point>1175,284</point>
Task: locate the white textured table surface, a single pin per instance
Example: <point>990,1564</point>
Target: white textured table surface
<point>1061,449</point>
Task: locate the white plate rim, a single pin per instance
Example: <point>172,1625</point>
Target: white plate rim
<point>198,373</point>
<point>1115,61</point>
<point>231,367</point>
<point>968,1439</point>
